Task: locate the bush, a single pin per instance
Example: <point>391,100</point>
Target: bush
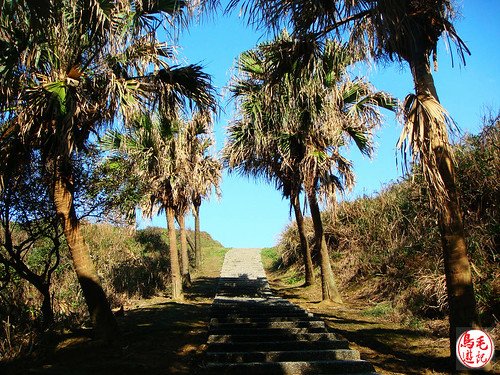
<point>131,265</point>
<point>387,247</point>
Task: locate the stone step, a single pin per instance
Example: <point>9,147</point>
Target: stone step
<point>278,345</point>
<point>254,306</point>
<point>314,324</point>
<point>269,314</point>
<point>257,311</point>
<point>272,337</point>
<point>244,287</point>
<point>251,331</point>
<point>250,294</point>
<point>262,319</point>
<point>283,356</point>
<point>256,303</point>
<point>292,368</point>
<point>273,300</point>
<point>263,331</point>
<point>237,285</point>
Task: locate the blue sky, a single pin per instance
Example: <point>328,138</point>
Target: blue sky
<point>252,213</point>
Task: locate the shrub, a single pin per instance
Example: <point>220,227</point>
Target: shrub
<point>387,247</point>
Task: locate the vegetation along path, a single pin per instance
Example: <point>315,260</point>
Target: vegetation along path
<point>253,331</point>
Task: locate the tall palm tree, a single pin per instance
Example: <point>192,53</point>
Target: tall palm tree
<point>253,141</point>
<point>156,148</point>
<point>253,153</point>
<point>205,170</point>
<point>184,254</point>
<point>69,68</point>
<point>406,31</point>
<point>299,108</point>
<point>149,148</point>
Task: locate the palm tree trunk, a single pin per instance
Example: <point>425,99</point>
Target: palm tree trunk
<point>304,245</point>
<point>460,289</point>
<point>102,317</point>
<point>197,239</point>
<point>329,288</point>
<point>186,277</point>
<point>175,269</point>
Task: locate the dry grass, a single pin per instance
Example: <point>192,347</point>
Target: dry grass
<point>158,335</point>
<point>133,266</point>
<point>387,257</point>
<point>387,248</point>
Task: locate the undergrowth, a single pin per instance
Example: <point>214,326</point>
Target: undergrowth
<point>131,265</point>
<point>386,248</point>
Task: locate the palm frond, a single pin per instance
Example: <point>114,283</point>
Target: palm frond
<point>425,138</point>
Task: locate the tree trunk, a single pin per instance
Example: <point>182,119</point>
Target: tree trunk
<point>39,282</point>
<point>175,270</point>
<point>191,245</point>
<point>329,288</point>
<point>186,277</point>
<point>102,317</point>
<point>304,245</point>
<point>197,238</point>
<point>43,287</point>
<point>47,312</point>
<point>461,298</point>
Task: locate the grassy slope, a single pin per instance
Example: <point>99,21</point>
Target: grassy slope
<point>387,259</point>
<point>159,335</point>
<point>387,247</point>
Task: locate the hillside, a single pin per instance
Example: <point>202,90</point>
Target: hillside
<point>386,248</point>
<point>133,266</point>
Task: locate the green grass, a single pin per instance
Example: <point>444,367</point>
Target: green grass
<point>294,279</point>
<point>379,310</point>
<point>270,257</point>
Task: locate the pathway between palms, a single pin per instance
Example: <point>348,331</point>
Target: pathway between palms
<point>254,332</point>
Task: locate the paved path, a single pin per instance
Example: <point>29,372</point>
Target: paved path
<point>254,332</point>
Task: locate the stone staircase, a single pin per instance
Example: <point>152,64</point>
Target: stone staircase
<point>251,331</point>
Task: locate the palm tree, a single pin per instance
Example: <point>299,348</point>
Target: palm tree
<point>253,153</point>
<point>406,31</point>
<point>298,109</point>
<point>69,68</point>
<point>148,147</point>
<point>184,254</point>
<point>156,148</point>
<point>205,170</point>
<point>254,139</point>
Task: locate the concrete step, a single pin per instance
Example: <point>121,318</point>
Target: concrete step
<point>313,324</point>
<point>262,319</point>
<point>292,368</point>
<point>249,304</point>
<point>263,331</point>
<point>283,356</point>
<point>251,294</point>
<point>251,331</point>
<point>252,302</point>
<point>255,306</point>
<point>284,336</point>
<point>278,345</point>
<point>257,311</point>
<point>269,314</point>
